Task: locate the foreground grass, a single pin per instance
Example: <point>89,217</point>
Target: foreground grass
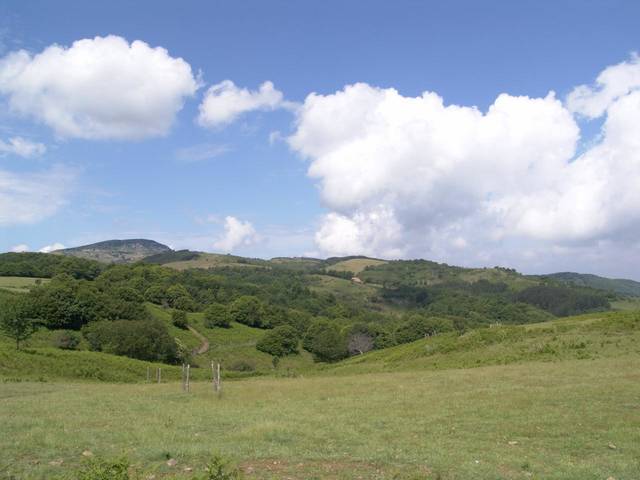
<point>573,419</point>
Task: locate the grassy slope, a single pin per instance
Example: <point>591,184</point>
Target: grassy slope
<point>347,291</point>
<point>19,284</point>
<point>456,424</point>
<point>355,265</point>
<point>214,260</point>
<point>602,335</point>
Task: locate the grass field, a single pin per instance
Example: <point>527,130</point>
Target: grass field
<point>574,419</point>
<point>20,284</point>
<point>355,265</point>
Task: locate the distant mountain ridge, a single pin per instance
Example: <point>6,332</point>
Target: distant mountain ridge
<point>417,272</point>
<point>117,251</point>
<point>621,286</point>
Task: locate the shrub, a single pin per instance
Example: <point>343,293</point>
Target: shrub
<point>417,326</point>
<point>242,366</point>
<point>248,310</point>
<point>280,341</point>
<point>325,341</point>
<point>141,339</point>
<point>217,315</point>
<point>220,469</point>
<point>179,319</point>
<point>98,469</point>
<point>66,340</point>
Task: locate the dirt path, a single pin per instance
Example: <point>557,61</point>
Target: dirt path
<point>204,348</point>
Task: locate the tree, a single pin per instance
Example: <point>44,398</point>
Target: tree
<point>280,341</point>
<point>217,315</point>
<point>248,310</point>
<point>179,319</point>
<point>417,327</point>
<point>16,321</point>
<point>359,343</point>
<point>141,339</point>
<point>325,341</point>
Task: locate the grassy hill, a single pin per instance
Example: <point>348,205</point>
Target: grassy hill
<point>557,420</point>
<point>117,251</point>
<point>619,286</point>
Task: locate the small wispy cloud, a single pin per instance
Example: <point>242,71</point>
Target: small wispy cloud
<point>201,152</point>
<point>22,147</point>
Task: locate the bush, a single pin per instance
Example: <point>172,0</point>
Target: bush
<point>98,469</point>
<point>141,339</point>
<point>179,319</point>
<point>248,310</point>
<point>66,340</point>
<point>325,341</point>
<point>220,469</point>
<point>280,341</point>
<point>217,315</point>
<point>242,366</point>
<point>417,327</point>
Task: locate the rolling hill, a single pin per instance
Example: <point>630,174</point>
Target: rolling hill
<point>117,251</point>
<point>620,286</point>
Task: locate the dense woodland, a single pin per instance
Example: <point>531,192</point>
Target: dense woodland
<point>106,304</point>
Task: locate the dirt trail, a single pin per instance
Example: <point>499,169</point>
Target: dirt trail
<point>204,348</point>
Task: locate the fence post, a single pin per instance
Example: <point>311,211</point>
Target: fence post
<point>218,387</point>
<point>159,374</point>
<point>148,375</point>
<point>188,387</point>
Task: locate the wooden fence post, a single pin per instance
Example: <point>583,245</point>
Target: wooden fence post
<point>148,374</point>
<point>159,374</point>
<point>188,368</point>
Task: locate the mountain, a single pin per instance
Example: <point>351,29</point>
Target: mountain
<point>620,286</point>
<point>117,251</point>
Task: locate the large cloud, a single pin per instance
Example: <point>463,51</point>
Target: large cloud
<point>225,102</point>
<point>236,233</point>
<point>411,176</point>
<point>30,197</point>
<point>98,88</point>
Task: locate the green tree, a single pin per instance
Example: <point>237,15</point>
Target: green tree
<point>325,341</point>
<point>280,341</point>
<point>416,327</point>
<point>248,310</point>
<point>179,319</point>
<point>16,321</point>
<point>217,315</point>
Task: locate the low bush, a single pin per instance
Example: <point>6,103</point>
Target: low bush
<point>66,340</point>
<point>179,319</point>
<point>217,315</point>
<point>280,341</point>
<point>141,339</point>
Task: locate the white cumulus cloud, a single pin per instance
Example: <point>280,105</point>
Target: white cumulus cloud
<point>224,102</point>
<point>100,88</point>
<point>20,248</point>
<point>30,197</point>
<point>51,248</point>
<point>22,147</point>
<point>236,233</point>
<point>412,176</point>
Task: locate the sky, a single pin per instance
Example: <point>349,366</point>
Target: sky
<point>471,133</point>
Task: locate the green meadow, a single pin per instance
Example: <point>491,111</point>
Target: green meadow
<point>556,400</point>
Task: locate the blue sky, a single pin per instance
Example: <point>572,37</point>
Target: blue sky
<point>256,193</point>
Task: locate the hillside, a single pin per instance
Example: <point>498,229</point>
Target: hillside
<point>117,251</point>
<point>556,401</point>
<point>619,286</point>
